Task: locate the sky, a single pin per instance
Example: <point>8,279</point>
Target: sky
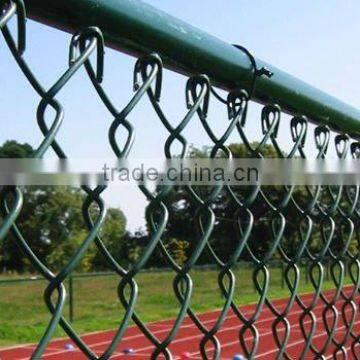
<point>316,41</point>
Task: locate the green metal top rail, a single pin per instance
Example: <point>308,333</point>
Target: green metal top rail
<point>137,28</point>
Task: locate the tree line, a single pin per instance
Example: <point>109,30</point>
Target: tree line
<point>51,221</point>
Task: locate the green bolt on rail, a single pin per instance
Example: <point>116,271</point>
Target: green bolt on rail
<point>161,40</point>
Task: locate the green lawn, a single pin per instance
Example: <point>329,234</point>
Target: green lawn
<point>23,315</point>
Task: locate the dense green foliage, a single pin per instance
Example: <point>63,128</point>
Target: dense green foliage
<point>224,237</point>
<point>51,221</point>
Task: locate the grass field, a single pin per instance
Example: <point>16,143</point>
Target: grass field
<point>23,315</point>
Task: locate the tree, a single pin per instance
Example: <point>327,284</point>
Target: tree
<point>51,221</point>
<point>113,236</point>
<point>11,149</point>
<point>223,238</point>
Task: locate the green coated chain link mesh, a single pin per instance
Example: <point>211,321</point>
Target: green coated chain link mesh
<point>337,219</point>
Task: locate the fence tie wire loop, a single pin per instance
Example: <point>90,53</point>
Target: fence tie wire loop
<point>355,149</point>
<point>298,127</point>
<point>322,138</point>
<point>194,88</point>
<point>342,144</point>
<point>270,120</point>
<point>257,72</point>
<point>152,61</point>
<point>78,45</point>
<point>236,105</point>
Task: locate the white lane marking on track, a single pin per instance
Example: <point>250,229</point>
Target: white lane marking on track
<point>270,333</point>
<point>347,348</point>
<point>132,337</point>
<point>104,332</point>
<point>266,310</point>
<point>299,342</point>
<point>221,331</point>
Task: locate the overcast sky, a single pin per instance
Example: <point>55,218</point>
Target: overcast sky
<point>316,41</point>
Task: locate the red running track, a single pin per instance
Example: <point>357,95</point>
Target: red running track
<point>189,337</point>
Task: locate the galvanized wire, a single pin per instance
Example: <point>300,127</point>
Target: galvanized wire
<point>337,219</point>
